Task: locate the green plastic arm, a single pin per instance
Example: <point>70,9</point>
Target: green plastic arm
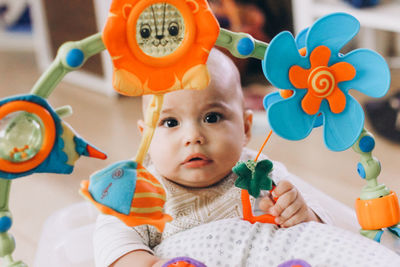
<point>232,41</point>
<point>7,242</point>
<point>4,194</point>
<point>70,56</point>
<point>369,167</point>
<point>64,111</point>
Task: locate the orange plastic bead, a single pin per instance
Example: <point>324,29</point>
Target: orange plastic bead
<point>285,93</point>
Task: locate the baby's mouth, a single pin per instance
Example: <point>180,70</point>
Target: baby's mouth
<point>196,161</point>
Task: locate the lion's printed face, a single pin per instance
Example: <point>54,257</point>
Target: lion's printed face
<point>159,46</point>
<point>160,29</point>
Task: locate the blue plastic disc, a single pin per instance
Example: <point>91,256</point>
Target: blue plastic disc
<point>367,143</point>
<point>75,58</point>
<point>245,46</point>
<point>5,224</point>
<point>361,170</point>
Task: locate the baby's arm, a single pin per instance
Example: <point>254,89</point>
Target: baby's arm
<point>290,208</point>
<point>144,258</point>
<point>138,258</point>
<point>116,244</point>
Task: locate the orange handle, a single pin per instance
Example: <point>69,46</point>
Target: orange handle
<point>248,214</point>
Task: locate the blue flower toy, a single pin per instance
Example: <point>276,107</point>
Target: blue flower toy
<point>315,79</point>
<point>320,77</point>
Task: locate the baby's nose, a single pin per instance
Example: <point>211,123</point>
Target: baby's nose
<point>198,140</point>
<point>194,137</point>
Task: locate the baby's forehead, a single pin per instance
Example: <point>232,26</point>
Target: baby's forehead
<point>224,90</point>
<point>224,85</point>
<point>212,97</point>
<point>224,74</point>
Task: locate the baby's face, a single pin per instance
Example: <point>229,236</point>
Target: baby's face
<point>200,134</point>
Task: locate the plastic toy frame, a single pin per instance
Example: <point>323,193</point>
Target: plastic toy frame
<point>240,45</point>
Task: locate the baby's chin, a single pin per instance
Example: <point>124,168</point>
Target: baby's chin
<point>197,182</point>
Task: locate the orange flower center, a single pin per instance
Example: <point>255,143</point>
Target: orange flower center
<point>321,82</point>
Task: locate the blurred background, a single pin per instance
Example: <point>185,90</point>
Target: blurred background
<point>32,31</point>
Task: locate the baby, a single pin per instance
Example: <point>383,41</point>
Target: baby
<point>200,136</point>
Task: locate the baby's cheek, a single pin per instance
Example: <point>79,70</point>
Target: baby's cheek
<point>227,160</point>
<point>232,151</point>
<point>161,160</point>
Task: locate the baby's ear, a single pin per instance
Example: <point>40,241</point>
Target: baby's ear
<point>141,125</point>
<point>248,123</point>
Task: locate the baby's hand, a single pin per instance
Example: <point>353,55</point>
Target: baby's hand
<point>290,208</point>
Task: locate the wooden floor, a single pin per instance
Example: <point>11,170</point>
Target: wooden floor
<point>110,124</point>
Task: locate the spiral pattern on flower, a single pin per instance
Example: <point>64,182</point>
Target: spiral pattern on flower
<point>321,82</point>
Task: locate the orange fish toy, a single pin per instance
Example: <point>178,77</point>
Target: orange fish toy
<point>128,191</point>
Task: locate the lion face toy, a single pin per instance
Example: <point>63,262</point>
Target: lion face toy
<point>159,46</point>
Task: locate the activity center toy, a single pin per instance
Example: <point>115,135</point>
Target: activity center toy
<point>159,46</point>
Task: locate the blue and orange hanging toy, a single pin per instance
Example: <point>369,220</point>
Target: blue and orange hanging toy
<point>316,78</point>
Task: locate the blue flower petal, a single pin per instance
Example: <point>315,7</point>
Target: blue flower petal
<point>281,54</point>
<point>271,99</point>
<point>276,97</point>
<point>301,38</point>
<point>333,31</point>
<point>372,73</point>
<point>288,120</point>
<point>342,130</point>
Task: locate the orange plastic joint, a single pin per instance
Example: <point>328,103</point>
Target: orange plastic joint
<point>374,214</point>
<point>48,138</point>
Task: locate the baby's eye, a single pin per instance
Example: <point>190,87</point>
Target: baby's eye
<point>213,117</point>
<point>169,123</point>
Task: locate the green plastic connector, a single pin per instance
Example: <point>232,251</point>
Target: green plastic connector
<point>64,111</point>
<point>371,170</point>
<point>230,40</point>
<point>7,241</point>
<point>7,244</point>
<point>4,194</point>
<point>61,65</point>
<point>371,234</point>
